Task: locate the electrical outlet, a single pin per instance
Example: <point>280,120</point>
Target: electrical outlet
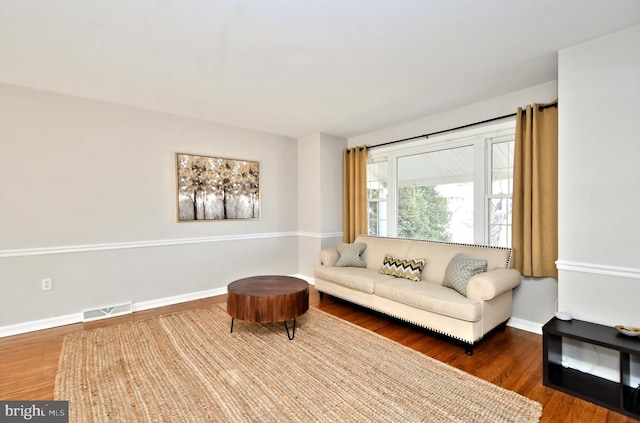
<point>47,284</point>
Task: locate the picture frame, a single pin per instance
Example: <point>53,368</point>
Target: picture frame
<point>216,188</point>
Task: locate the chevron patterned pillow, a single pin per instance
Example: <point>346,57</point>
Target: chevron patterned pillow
<point>407,269</point>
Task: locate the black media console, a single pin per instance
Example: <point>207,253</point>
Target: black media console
<point>612,395</point>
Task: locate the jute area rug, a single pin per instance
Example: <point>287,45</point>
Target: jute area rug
<point>187,367</point>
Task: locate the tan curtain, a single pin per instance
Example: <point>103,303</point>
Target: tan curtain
<point>355,193</point>
<point>535,191</point>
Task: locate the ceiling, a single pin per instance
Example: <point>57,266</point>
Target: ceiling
<point>294,67</point>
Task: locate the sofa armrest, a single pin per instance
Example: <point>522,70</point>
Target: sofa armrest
<point>329,257</point>
<point>488,285</point>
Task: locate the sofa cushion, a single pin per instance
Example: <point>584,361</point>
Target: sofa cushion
<point>431,296</point>
<point>378,247</point>
<point>460,269</point>
<point>350,254</point>
<point>357,278</point>
<point>407,269</point>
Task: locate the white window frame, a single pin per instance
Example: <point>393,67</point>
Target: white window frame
<point>480,137</point>
<point>489,141</point>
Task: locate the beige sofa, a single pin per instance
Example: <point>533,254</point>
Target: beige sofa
<point>426,303</point>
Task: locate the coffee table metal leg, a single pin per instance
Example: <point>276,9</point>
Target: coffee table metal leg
<point>290,336</point>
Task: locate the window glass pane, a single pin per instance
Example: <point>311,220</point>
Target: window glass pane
<point>435,195</point>
<point>378,218</point>
<point>501,190</point>
<point>500,222</point>
<point>377,191</point>
<point>502,167</point>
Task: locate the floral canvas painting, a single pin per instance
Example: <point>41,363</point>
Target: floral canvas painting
<point>212,188</point>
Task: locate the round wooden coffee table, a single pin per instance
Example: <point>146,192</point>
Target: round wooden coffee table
<point>268,299</point>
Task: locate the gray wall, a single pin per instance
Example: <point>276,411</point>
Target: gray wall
<point>320,171</point>
<point>89,199</point>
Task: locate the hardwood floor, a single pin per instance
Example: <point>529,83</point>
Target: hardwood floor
<point>511,359</point>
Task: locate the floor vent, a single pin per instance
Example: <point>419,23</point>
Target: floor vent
<point>105,312</point>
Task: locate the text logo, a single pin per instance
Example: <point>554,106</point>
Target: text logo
<point>34,411</point>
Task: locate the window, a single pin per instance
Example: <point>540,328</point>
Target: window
<point>455,187</point>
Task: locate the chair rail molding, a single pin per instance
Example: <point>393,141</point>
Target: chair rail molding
<point>600,269</point>
<point>137,244</point>
<point>321,235</point>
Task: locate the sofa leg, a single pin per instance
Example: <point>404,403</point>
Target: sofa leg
<point>469,349</point>
<point>321,295</point>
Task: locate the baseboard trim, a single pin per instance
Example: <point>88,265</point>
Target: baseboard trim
<point>526,325</point>
<point>177,299</point>
<point>69,319</point>
<point>310,280</point>
<point>36,325</point>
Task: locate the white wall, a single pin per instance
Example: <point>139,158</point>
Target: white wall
<point>599,257</point>
<point>88,195</point>
<point>599,220</point>
<point>477,112</point>
<point>535,299</point>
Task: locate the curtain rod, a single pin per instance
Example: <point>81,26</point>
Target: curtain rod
<point>540,108</point>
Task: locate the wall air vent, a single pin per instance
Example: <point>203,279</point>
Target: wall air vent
<point>90,315</point>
